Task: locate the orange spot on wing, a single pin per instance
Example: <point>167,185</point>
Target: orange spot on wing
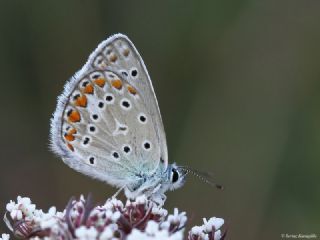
<point>72,131</point>
<point>100,82</point>
<point>116,84</point>
<point>70,147</point>
<point>81,101</point>
<point>74,116</point>
<point>69,136</point>
<point>132,90</point>
<point>88,89</point>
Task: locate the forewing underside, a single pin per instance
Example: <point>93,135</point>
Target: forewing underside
<point>120,56</point>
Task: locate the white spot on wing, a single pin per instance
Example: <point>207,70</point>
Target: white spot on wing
<point>120,129</point>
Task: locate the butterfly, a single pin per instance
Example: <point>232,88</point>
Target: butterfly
<point>107,124</point>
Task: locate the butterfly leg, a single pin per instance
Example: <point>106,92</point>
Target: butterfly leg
<point>118,192</point>
<point>159,199</point>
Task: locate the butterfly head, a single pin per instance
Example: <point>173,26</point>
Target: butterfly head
<point>154,186</point>
<point>176,176</point>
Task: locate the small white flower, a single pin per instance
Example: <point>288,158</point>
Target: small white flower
<point>113,203</point>
<point>23,200</point>
<point>177,217</point>
<point>217,235</point>
<point>152,227</point>
<point>48,223</point>
<point>213,222</point>
<point>113,216</point>
<point>52,211</point>
<point>82,199</point>
<point>159,211</point>
<point>161,234</point>
<point>197,230</point>
<point>141,199</point>
<point>16,214</point>
<point>60,214</point>
<point>5,236</point>
<point>40,238</point>
<point>165,225</point>
<point>84,233</point>
<point>153,232</point>
<point>176,236</point>
<point>108,232</point>
<point>137,235</point>
<point>38,214</point>
<point>10,206</point>
<point>25,205</point>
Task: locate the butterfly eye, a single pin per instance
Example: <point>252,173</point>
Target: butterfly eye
<point>174,175</point>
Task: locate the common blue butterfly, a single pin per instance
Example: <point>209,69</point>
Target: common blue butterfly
<point>107,124</point>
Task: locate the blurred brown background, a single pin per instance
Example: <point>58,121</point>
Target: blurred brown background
<point>238,83</point>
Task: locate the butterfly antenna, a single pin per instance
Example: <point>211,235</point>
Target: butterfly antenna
<point>203,176</point>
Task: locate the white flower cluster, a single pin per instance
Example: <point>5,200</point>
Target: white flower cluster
<point>209,230</point>
<point>23,210</point>
<point>136,220</point>
<point>177,219</point>
<point>154,231</point>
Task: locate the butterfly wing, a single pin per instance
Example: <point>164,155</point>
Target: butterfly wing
<point>120,55</point>
<point>107,123</point>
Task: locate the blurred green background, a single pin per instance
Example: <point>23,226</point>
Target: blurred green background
<point>238,83</point>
